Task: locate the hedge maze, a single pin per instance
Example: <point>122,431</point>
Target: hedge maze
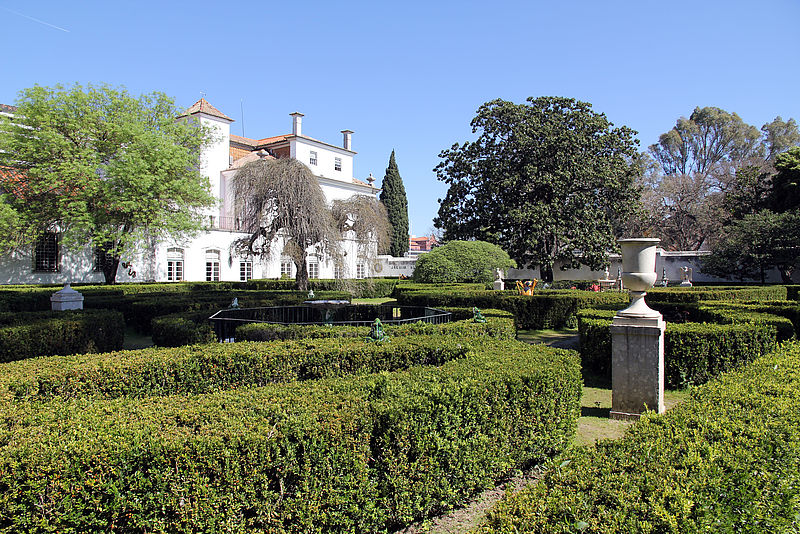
<point>313,429</point>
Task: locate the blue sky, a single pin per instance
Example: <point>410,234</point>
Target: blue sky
<point>410,75</point>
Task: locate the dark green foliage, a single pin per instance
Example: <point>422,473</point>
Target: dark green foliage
<point>216,366</point>
<point>499,325</point>
<point>693,352</point>
<point>545,309</point>
<point>462,262</point>
<point>29,334</point>
<point>697,294</point>
<point>544,180</point>
<point>352,454</point>
<point>724,461</point>
<point>180,329</point>
<point>393,196</point>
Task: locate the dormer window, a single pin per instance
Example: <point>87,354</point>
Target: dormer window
<point>337,164</point>
<point>312,160</point>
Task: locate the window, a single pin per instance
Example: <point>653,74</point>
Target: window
<point>46,253</point>
<point>286,268</point>
<point>174,264</point>
<point>100,259</point>
<point>312,158</point>
<point>338,271</point>
<point>337,164</point>
<point>212,266</point>
<point>313,269</point>
<point>245,270</point>
<point>361,271</point>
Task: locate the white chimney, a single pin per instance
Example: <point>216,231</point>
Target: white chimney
<point>297,123</point>
<point>348,139</point>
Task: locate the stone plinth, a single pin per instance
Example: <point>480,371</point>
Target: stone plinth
<point>499,285</point>
<point>637,366</point>
<point>66,299</point>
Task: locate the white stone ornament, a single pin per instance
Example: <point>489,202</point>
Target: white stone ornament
<point>66,299</point>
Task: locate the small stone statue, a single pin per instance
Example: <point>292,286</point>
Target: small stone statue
<point>310,294</point>
<point>376,333</point>
<point>235,304</point>
<point>664,279</point>
<point>477,316</point>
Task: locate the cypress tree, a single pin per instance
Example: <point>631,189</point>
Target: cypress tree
<point>394,198</point>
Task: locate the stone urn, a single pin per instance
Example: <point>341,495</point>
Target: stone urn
<point>639,274</point>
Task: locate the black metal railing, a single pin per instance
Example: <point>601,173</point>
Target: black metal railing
<point>224,322</point>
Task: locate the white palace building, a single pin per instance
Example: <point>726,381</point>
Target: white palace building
<point>208,255</point>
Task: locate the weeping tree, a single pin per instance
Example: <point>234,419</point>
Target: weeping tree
<point>364,219</point>
<point>281,204</point>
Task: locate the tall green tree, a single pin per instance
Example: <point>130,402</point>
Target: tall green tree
<point>101,166</point>
<point>714,169</point>
<point>393,196</point>
<point>548,181</point>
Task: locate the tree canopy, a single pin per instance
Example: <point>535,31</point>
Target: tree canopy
<point>101,166</point>
<point>393,196</point>
<point>282,205</point>
<point>281,198</point>
<point>462,261</point>
<point>548,181</point>
<point>711,169</point>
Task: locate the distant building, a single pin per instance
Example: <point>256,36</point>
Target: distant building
<point>422,244</point>
<point>208,257</point>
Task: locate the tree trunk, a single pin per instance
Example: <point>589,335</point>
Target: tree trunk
<point>109,263</point>
<point>786,274</point>
<point>301,281</point>
<point>546,272</point>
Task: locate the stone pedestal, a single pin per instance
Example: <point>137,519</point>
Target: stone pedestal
<point>499,285</point>
<point>637,366</point>
<point>66,299</point>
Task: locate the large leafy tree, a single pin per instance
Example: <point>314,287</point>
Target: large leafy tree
<point>393,196</point>
<point>282,205</point>
<point>101,166</point>
<point>548,181</point>
<point>283,208</point>
<point>714,169</point>
<point>757,243</point>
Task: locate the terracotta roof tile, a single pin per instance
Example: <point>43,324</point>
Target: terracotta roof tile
<point>243,140</point>
<point>202,106</point>
<point>5,108</point>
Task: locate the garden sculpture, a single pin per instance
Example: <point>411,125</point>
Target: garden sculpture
<point>477,316</point>
<point>527,287</point>
<point>376,333</point>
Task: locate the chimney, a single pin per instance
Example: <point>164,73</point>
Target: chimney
<point>297,123</point>
<point>348,139</point>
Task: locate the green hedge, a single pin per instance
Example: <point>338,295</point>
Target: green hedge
<point>30,334</point>
<point>545,309</point>
<point>500,327</point>
<point>727,460</point>
<point>354,454</point>
<point>727,293</point>
<point>180,329</point>
<point>693,352</point>
<point>216,366</point>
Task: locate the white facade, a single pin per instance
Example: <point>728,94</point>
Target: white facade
<point>208,255</point>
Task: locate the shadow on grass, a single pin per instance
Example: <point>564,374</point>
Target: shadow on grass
<point>595,412</point>
<point>594,380</point>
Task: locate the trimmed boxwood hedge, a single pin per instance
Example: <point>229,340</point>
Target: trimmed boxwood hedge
<point>354,454</point>
<point>704,293</point>
<point>546,309</point>
<point>205,368</point>
<point>30,334</point>
<point>178,329</point>
<point>727,460</point>
<point>693,352</point>
<point>499,324</point>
